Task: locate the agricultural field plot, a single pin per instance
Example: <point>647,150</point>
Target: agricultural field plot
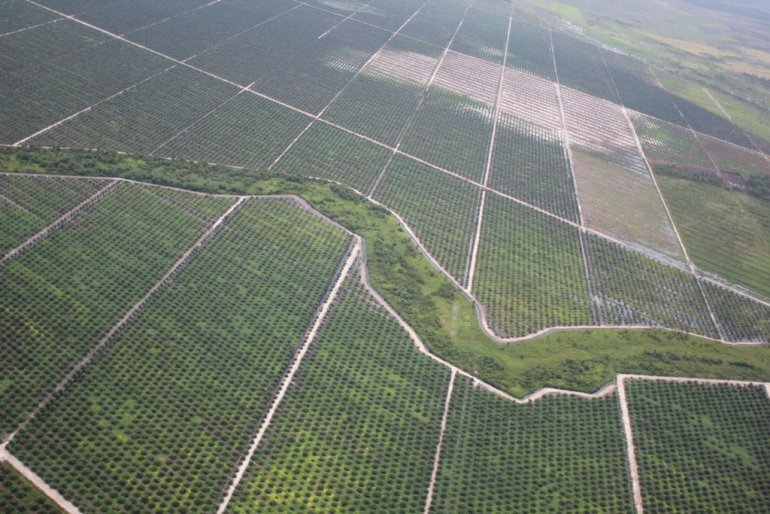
<point>529,49</point>
<point>388,14</point>
<point>29,204</point>
<point>358,429</point>
<point>196,31</point>
<point>451,131</point>
<point>600,127</point>
<point>121,17</point>
<point>323,68</point>
<point>701,447</point>
<point>441,210</point>
<point>736,158</point>
<point>330,153</point>
<point>632,289</point>
<point>725,232</point>
<point>556,454</point>
<point>530,273</point>
<point>624,205</point>
<point>482,35</point>
<point>638,89</point>
<point>147,116</point>
<point>248,131</point>
<point>19,15</point>
<point>267,48</point>
<point>41,45</point>
<point>19,496</point>
<point>669,144</point>
<point>436,22</point>
<point>468,76</point>
<point>530,163</point>
<point>530,98</point>
<point>343,7</point>
<point>34,98</point>
<point>741,318</point>
<point>381,100</point>
<point>579,65</point>
<point>61,296</point>
<point>162,417</point>
<point>710,123</point>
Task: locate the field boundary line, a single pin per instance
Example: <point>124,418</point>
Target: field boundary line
<point>663,202</point>
<point>320,315</point>
<point>439,445</point>
<point>61,220</point>
<point>189,126</point>
<point>15,205</point>
<point>167,18</point>
<point>17,31</point>
<point>347,84</point>
<point>474,250</point>
<point>413,116</point>
<point>92,106</point>
<point>346,18</point>
<point>727,115</point>
<point>585,249</point>
<point>40,484</point>
<point>164,281</point>
<point>482,317</point>
<point>633,468</point>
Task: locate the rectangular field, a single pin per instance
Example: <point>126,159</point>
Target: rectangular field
<point>726,232</point>
<point>530,163</point>
<point>633,289</point>
<point>381,100</point>
<point>167,410</point>
<point>200,30</point>
<point>34,97</point>
<point>145,117</point>
<point>553,455</point>
<point>61,296</point>
<point>330,153</point>
<point>530,273</point>
<point>701,447</point>
<point>248,131</point>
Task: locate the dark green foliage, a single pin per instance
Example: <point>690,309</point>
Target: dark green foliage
<point>441,210</point>
<point>701,448</point>
<point>580,66</point>
<point>451,131</point>
<point>529,163</point>
<point>633,289</point>
<point>330,153</point>
<point>358,429</point>
<point>61,296</point>
<point>18,496</point>
<point>529,48</point>
<point>530,272</point>
<point>161,418</point>
<point>29,204</point>
<point>554,455</point>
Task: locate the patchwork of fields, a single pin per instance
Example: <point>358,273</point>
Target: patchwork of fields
<point>254,369</point>
<point>437,109</point>
<point>171,351</point>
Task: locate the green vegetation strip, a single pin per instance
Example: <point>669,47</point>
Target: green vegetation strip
<point>443,317</point>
